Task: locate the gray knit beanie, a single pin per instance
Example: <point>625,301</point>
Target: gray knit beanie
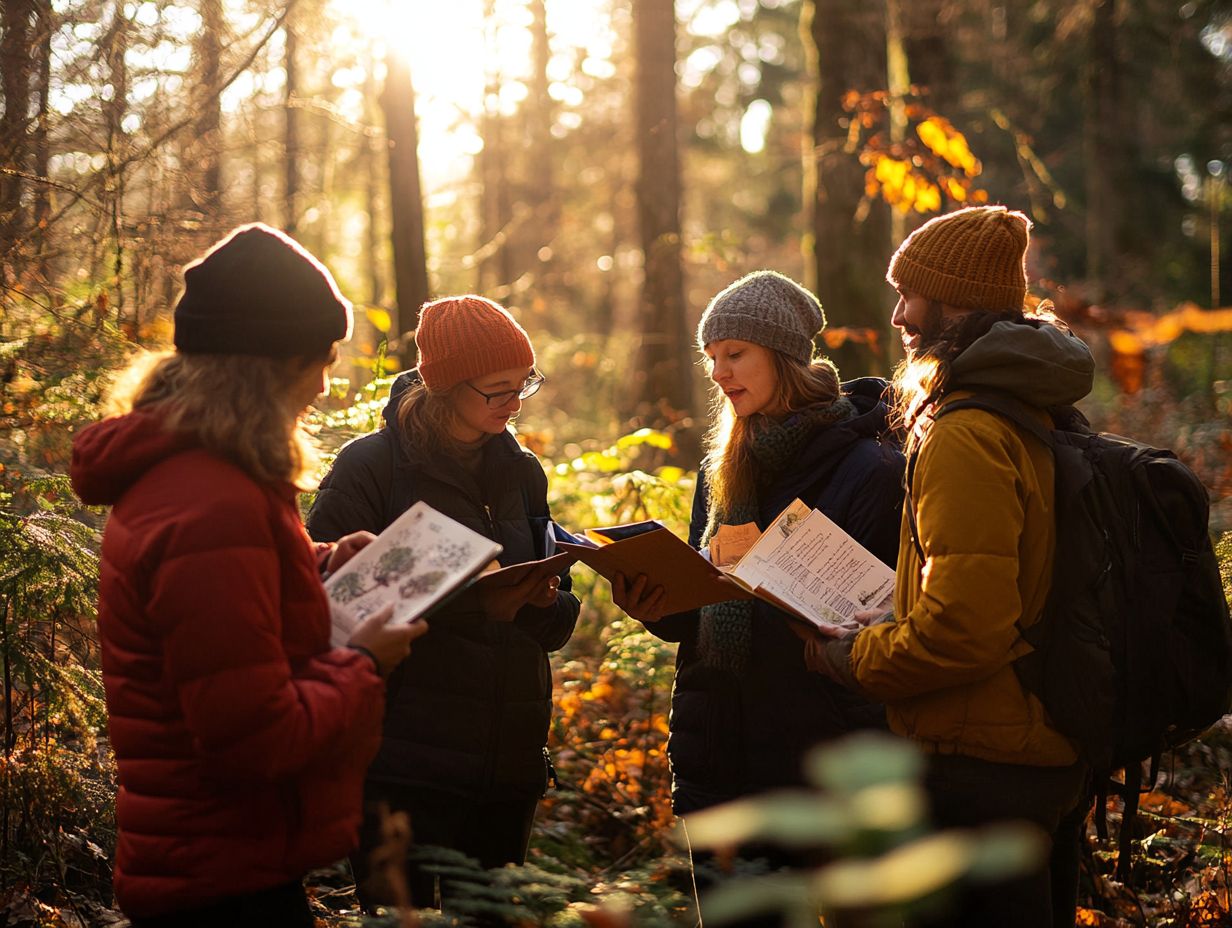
<point>765,308</point>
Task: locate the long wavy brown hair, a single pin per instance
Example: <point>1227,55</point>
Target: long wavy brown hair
<point>427,419</point>
<point>237,406</point>
<point>925,377</point>
<point>731,470</point>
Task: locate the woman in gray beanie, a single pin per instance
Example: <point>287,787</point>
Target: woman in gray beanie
<point>745,708</point>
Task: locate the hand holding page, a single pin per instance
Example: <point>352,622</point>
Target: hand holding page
<point>808,566</point>
<point>420,559</point>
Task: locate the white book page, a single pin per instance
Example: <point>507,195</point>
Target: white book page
<point>817,569</point>
<point>419,559</point>
<point>755,561</point>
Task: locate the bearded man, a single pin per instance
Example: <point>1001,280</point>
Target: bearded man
<point>976,553</point>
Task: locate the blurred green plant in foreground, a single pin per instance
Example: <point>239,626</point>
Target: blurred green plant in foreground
<point>870,816</point>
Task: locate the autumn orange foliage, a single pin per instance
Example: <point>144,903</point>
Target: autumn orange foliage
<point>927,172</point>
<point>609,739</point>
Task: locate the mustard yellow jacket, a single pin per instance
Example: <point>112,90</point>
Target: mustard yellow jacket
<point>983,498</point>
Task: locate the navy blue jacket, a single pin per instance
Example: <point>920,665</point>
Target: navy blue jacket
<point>731,736</point>
<point>468,711</point>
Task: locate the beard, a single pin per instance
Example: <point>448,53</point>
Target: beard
<point>935,335</point>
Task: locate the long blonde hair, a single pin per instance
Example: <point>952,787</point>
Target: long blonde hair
<point>427,419</point>
<point>920,381</point>
<point>729,464</point>
<point>236,406</point>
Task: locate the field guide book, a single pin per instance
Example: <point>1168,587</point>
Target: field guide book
<point>803,563</point>
<point>808,566</point>
<point>421,559</point>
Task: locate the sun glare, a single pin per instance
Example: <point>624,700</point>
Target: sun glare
<point>455,54</point>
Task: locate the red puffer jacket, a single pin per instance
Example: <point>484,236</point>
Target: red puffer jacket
<point>241,738</point>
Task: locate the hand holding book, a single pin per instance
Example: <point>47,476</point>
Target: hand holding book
<point>414,565</point>
<point>503,592</point>
<point>803,563</point>
<point>386,644</point>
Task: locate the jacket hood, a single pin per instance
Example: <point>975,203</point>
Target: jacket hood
<point>110,456</point>
<point>1044,366</point>
<point>401,385</point>
<point>871,420</point>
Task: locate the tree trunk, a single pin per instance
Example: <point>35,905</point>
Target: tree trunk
<point>495,257</point>
<point>898,83</point>
<point>1102,141</point>
<point>372,190</point>
<point>540,111</point>
<point>209,57</point>
<point>326,165</point>
<point>116,53</point>
<point>664,369</point>
<point>405,197</point>
<point>15,58</point>
<point>290,101</point>
<point>927,44</point>
<point>846,45</point>
<point>42,142</point>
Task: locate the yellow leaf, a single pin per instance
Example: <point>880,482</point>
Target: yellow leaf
<point>932,133</point>
<point>927,198</point>
<point>380,319</point>
<point>944,141</point>
<point>670,474</point>
<point>892,175</point>
<point>955,189</point>
<point>597,461</point>
<point>650,437</point>
<point>891,172</point>
<point>908,194</point>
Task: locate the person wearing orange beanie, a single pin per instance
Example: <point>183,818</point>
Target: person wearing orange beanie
<point>976,551</point>
<point>464,746</point>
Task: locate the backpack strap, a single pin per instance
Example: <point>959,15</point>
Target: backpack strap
<point>1001,404</point>
<point>909,503</point>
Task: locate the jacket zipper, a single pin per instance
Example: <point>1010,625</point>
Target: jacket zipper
<point>494,740</point>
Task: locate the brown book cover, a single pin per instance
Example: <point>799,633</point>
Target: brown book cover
<point>648,548</point>
<point>497,576</point>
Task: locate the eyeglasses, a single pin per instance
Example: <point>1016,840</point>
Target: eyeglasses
<point>529,388</point>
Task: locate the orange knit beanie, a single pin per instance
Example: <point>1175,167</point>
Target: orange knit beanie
<point>463,337</point>
<point>971,259</point>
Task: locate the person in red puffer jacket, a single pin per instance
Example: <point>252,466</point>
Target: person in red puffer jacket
<point>241,737</point>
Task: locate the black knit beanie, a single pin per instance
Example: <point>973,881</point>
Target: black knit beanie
<point>259,292</point>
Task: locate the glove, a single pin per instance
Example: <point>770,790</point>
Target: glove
<point>831,657</point>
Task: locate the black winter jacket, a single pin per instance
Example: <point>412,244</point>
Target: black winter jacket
<point>732,736</point>
<point>468,711</point>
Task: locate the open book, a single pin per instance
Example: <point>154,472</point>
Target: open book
<point>808,566</point>
<point>418,561</point>
<point>803,563</point>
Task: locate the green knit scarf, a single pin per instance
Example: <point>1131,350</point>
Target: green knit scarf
<point>726,633</point>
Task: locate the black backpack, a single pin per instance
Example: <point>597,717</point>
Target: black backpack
<point>1133,653</point>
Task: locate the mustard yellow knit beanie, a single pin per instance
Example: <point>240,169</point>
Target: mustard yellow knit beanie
<point>971,259</point>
